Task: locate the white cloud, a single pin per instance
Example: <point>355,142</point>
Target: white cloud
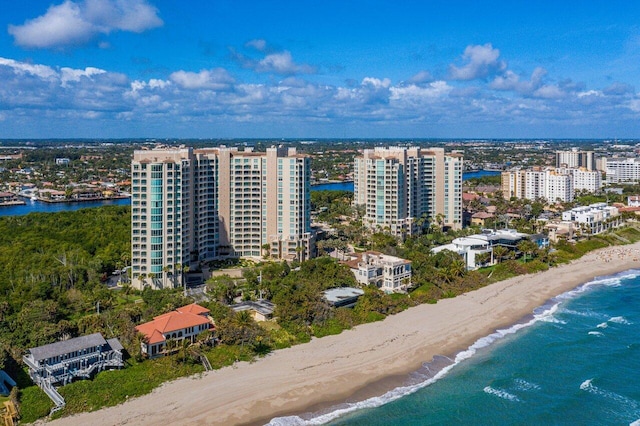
<point>549,92</point>
<point>155,83</point>
<point>70,74</point>
<point>510,81</point>
<point>32,94</point>
<point>413,92</point>
<point>75,23</point>
<point>258,44</point>
<point>481,61</point>
<point>41,71</point>
<point>421,77</point>
<point>282,63</point>
<point>376,82</point>
<point>590,93</point>
<point>634,105</point>
<point>215,79</point>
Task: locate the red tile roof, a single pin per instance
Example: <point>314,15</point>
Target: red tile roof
<point>482,215</point>
<point>194,308</point>
<point>469,196</point>
<point>181,318</point>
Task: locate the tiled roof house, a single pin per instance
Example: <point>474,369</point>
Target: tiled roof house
<point>185,322</point>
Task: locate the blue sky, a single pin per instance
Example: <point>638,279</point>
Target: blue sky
<point>331,69</point>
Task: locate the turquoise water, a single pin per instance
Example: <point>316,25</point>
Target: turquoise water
<point>576,361</point>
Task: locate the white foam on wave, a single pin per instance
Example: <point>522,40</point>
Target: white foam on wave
<point>402,391</point>
<point>636,423</point>
<point>500,393</point>
<point>628,405</point>
<point>586,314</point>
<point>619,320</point>
<point>523,385</point>
<point>586,384</point>
<point>553,320</point>
<point>596,333</point>
<point>609,281</point>
<point>540,314</point>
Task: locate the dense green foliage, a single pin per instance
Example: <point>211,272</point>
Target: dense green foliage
<point>52,266</point>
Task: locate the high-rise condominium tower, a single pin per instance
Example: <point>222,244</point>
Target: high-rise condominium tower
<point>576,159</point>
<point>191,206</point>
<point>397,186</point>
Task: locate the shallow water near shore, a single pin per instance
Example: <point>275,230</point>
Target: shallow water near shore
<point>576,360</point>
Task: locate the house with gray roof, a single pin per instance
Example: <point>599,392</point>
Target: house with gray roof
<point>260,310</point>
<point>60,362</point>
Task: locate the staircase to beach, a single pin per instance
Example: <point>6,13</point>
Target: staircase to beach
<point>52,393</point>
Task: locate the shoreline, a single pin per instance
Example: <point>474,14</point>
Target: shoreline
<point>366,361</point>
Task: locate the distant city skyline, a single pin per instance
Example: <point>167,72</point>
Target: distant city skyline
<point>308,69</point>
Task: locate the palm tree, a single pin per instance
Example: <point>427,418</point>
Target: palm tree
<point>177,269</point>
<point>499,252</point>
<point>165,273</point>
<point>152,277</point>
<point>456,269</point>
<point>527,247</point>
<point>185,270</point>
<point>482,258</point>
<point>142,277</point>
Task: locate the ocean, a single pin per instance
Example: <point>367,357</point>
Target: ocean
<point>575,361</point>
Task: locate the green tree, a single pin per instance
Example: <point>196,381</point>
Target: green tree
<point>222,288</point>
<point>499,253</point>
<point>527,247</point>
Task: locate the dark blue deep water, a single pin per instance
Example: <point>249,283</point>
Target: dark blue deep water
<point>40,206</point>
<point>348,186</point>
<point>577,362</point>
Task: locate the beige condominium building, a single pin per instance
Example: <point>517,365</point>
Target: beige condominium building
<point>397,186</point>
<point>194,205</point>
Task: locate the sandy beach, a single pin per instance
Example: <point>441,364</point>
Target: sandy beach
<point>369,359</point>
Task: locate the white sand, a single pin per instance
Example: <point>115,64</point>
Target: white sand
<point>331,369</point>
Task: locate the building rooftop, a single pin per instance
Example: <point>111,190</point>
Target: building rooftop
<point>342,294</point>
<point>372,258</point>
<point>261,306</point>
<point>179,319</point>
<point>67,346</point>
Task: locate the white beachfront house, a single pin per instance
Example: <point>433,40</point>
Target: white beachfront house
<point>594,218</point>
<point>471,246</point>
<point>388,273</point>
<point>468,247</point>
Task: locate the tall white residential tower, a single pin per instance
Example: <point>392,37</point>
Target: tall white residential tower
<point>191,206</point>
<point>396,186</point>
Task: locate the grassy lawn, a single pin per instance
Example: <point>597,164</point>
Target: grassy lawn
<point>34,404</point>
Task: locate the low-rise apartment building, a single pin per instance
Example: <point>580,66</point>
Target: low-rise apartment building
<point>552,184</point>
<point>594,218</point>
